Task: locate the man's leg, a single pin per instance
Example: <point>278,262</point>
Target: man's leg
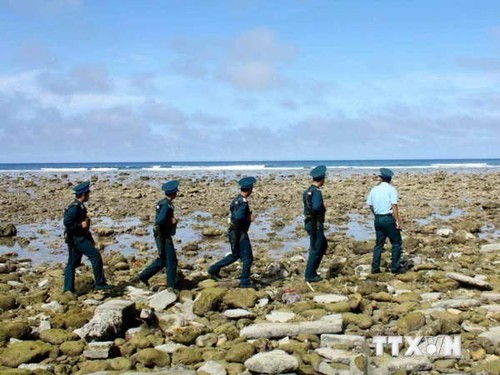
<point>314,250</point>
<point>394,235</point>
<point>379,245</point>
<point>86,248</point>
<point>321,245</point>
<point>171,263</point>
<point>74,259</point>
<point>234,241</point>
<point>246,256</point>
<point>157,265</point>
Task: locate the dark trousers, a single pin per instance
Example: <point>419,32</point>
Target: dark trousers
<point>82,246</point>
<point>385,226</point>
<point>317,248</point>
<point>167,258</point>
<point>241,248</point>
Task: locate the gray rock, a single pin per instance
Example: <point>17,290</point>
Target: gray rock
<point>280,316</point>
<point>456,303</point>
<point>490,296</point>
<point>330,298</point>
<point>444,232</point>
<point>329,340</point>
<point>474,281</point>
<point>492,336</point>
<point>160,301</point>
<point>490,248</point>
<point>169,347</point>
<point>238,314</point>
<point>98,350</point>
<point>110,319</point>
<point>410,364</point>
<point>212,368</point>
<point>468,326</point>
<point>273,362</point>
<point>325,369</point>
<point>336,355</point>
<point>268,330</point>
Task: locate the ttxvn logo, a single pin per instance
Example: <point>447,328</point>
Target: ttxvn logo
<point>428,346</point>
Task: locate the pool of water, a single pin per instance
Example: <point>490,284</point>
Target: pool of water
<point>455,213</point>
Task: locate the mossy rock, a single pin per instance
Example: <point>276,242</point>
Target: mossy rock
<point>187,335</point>
<point>140,341</point>
<point>32,298</point>
<point>89,367</point>
<point>151,357</point>
<point>229,329</point>
<point>407,297</point>
<point>234,368</point>
<point>300,306</point>
<point>16,330</point>
<point>240,352</point>
<point>25,352</point>
<point>72,348</point>
<point>370,287</point>
<point>186,356</point>
<point>72,319</point>
<point>410,322</point>
<point>491,367</point>
<point>57,336</point>
<point>242,298</point>
<point>338,307</point>
<point>15,371</point>
<point>362,321</point>
<point>7,302</point>
<point>444,285</point>
<point>120,364</point>
<point>208,300</point>
<point>314,314</point>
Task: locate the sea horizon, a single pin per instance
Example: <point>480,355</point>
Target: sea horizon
<point>454,163</point>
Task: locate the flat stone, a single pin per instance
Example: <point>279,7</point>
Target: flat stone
<point>329,340</point>
<point>169,347</point>
<point>238,314</point>
<point>491,308</point>
<point>160,301</point>
<point>98,350</point>
<point>280,316</point>
<point>330,298</point>
<point>268,330</point>
<point>468,326</point>
<point>456,303</point>
<point>473,281</point>
<point>336,355</point>
<point>273,362</point>
<point>490,296</point>
<point>410,364</point>
<point>429,297</point>
<point>490,248</point>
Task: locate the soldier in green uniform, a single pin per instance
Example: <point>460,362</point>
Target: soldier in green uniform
<point>80,241</point>
<point>314,213</point>
<point>165,228</point>
<point>241,248</point>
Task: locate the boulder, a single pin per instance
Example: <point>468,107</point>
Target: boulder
<point>8,230</point>
<point>240,352</point>
<point>208,300</point>
<point>7,302</point>
<point>25,352</point>
<point>153,358</point>
<point>16,330</point>
<point>72,348</point>
<point>411,322</point>
<point>99,350</point>
<point>110,319</point>
<point>186,356</point>
<point>56,336</point>
<point>274,362</point>
<point>212,368</point>
<point>243,298</point>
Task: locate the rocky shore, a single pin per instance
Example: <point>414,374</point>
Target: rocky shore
<point>451,236</point>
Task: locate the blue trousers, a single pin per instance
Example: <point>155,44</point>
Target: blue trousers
<point>167,258</point>
<point>241,248</point>
<point>82,246</point>
<point>317,248</point>
<point>385,226</point>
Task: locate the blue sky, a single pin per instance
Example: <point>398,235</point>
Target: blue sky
<point>177,80</point>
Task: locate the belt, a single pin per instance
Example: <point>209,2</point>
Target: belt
<point>376,215</point>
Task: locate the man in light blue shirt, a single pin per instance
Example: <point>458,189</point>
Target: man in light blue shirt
<point>383,202</point>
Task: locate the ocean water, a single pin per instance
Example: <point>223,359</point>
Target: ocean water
<point>409,164</point>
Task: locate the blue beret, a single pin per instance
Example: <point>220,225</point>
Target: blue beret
<point>170,187</point>
<point>385,172</point>
<point>319,171</point>
<point>82,188</point>
<point>247,182</point>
